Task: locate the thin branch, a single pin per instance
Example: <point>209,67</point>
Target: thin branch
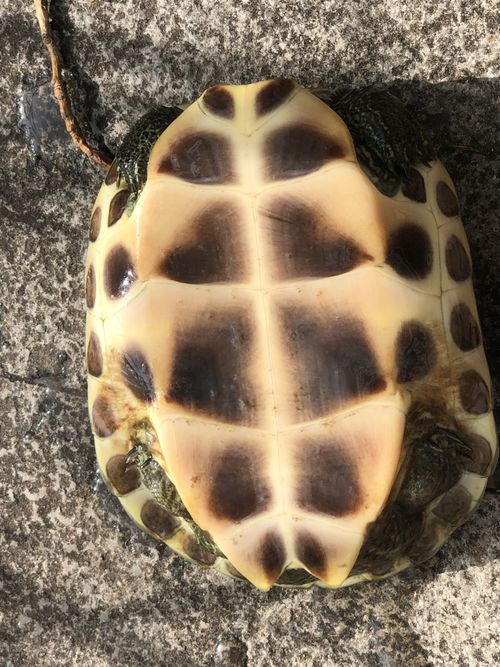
<point>61,91</point>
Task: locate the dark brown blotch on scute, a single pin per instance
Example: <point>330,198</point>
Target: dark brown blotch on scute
<point>200,158</point>
<point>214,254</point>
<point>332,358</point>
<point>426,541</point>
<point>219,101</point>
<point>95,224</point>
<point>328,481</point>
<point>272,555</point>
<point>117,206</point>
<point>124,479</point>
<point>272,95</point>
<point>413,186</point>
<point>210,368</point>
<point>94,356</point>
<point>311,554</point>
<point>464,328</point>
<point>103,418</point>
<point>119,272</point>
<point>409,252</point>
<point>158,520</point>
<point>454,507</point>
<point>197,552</point>
<point>304,247</point>
<point>457,259</point>
<point>299,149</point>
<point>237,489</point>
<point>112,175</point>
<point>446,200</point>
<point>481,456</point>
<point>137,375</point>
<point>474,393</point>
<point>416,353</point>
<point>90,287</point>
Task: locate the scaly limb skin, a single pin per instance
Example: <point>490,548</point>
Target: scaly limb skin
<point>60,89</point>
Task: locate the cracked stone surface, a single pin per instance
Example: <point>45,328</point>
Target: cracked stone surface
<point>81,585</point>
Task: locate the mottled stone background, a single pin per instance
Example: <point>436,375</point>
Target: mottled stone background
<point>80,584</point>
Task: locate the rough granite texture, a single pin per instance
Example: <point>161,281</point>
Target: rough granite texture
<point>81,585</point>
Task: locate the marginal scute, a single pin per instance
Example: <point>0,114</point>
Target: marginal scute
<point>112,175</point>
<point>311,554</point>
<point>95,224</point>
<point>416,352</point>
<point>302,248</point>
<point>90,287</point>
<point>219,101</point>
<point>328,481</point>
<point>103,418</point>
<point>237,489</point>
<point>474,393</point>
<point>446,200</point>
<point>454,507</point>
<point>94,356</point>
<point>481,456</point>
<point>124,479</point>
<point>334,360</point>
<point>464,328</point>
<point>409,252</point>
<point>210,368</point>
<point>214,254</point>
<point>272,95</point>
<point>426,541</point>
<point>137,375</point>
<point>119,272</point>
<point>198,553</point>
<point>457,260</point>
<point>117,206</point>
<point>272,555</point>
<point>158,520</point>
<point>203,158</point>
<point>413,186</point>
<point>299,149</point>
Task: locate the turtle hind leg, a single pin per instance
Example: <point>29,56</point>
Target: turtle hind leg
<point>133,154</point>
<point>434,465</point>
<point>388,141</point>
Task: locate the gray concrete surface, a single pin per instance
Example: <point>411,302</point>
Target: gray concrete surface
<point>80,584</point>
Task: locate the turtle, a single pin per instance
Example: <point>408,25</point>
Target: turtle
<point>286,376</point>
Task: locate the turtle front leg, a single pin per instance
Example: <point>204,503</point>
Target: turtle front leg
<point>133,154</point>
<point>388,141</point>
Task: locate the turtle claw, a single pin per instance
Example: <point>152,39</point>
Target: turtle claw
<point>139,456</point>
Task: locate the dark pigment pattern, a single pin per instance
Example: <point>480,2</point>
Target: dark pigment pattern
<point>303,246</point>
<point>119,272</point>
<point>273,95</point>
<point>219,101</point>
<point>137,375</point>
<point>298,150</point>
<point>214,253</point>
<point>203,158</point>
<point>332,359</point>
<point>237,490</point>
<point>409,252</point>
<point>328,481</point>
<point>210,370</point>
<point>124,479</point>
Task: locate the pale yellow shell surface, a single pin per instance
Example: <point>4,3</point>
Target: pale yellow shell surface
<point>256,310</point>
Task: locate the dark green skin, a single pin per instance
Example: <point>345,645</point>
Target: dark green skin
<point>133,154</point>
<point>387,142</point>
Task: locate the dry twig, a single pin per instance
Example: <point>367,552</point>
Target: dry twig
<point>60,89</point>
